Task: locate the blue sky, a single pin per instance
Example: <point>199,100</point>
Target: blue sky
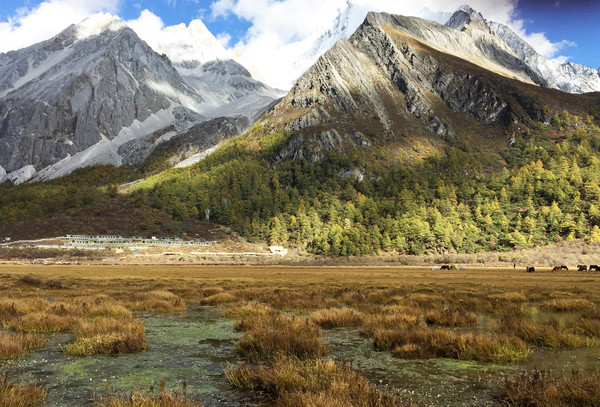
<point>262,29</point>
<point>566,20</point>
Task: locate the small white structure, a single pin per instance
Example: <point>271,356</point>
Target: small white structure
<point>280,250</point>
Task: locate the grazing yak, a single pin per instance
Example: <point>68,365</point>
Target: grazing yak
<point>556,268</point>
<point>581,267</point>
<point>594,267</point>
<point>530,269</point>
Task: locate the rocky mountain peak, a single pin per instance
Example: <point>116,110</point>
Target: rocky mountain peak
<point>97,24</point>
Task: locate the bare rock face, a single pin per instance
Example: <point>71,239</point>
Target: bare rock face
<point>63,96</point>
<point>388,77</point>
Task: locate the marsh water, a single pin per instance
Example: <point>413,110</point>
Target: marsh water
<point>196,347</point>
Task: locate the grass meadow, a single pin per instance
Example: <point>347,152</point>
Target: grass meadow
<point>490,316</point>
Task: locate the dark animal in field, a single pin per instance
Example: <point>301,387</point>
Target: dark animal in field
<point>556,269</point>
<point>530,269</point>
<point>594,267</point>
<point>445,267</point>
<point>564,268</point>
<point>581,267</point>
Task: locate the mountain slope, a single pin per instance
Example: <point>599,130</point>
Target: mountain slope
<point>227,87</point>
<point>386,144</point>
<point>567,77</point>
<point>93,86</point>
<point>389,86</point>
<point>488,44</point>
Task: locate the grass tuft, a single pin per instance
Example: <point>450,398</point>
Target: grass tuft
<point>337,317</point>
<point>158,301</point>
<point>294,382</point>
<point>568,305</point>
<point>272,336</point>
<point>164,398</point>
<point>20,394</point>
<point>219,298</point>
<point>14,346</point>
<point>451,317</point>
<point>107,336</point>
<point>540,389</point>
<point>423,343</point>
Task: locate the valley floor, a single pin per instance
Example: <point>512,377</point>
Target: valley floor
<point>248,335</point>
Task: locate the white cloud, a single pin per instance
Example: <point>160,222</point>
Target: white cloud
<point>283,29</point>
<point>224,38</point>
<point>32,25</point>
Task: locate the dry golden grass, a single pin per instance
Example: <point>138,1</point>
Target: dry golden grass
<point>548,333</point>
<point>451,317</point>
<point>20,394</point>
<point>509,296</point>
<point>41,322</point>
<point>107,336</point>
<point>337,317</point>
<point>164,398</point>
<point>249,309</point>
<point>293,382</point>
<point>538,388</point>
<point>14,346</point>
<point>388,298</point>
<point>219,298</point>
<point>272,336</point>
<point>389,317</point>
<point>158,301</point>
<point>568,304</point>
<point>417,343</point>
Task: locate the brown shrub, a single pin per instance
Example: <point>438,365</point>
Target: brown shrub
<point>337,317</point>
<point>540,389</point>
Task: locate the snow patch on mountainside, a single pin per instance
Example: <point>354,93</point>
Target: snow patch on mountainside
<point>22,175</point>
<point>196,158</point>
<point>567,77</point>
<point>186,43</point>
<point>103,152</point>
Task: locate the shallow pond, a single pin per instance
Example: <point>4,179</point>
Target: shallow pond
<point>194,347</point>
<point>445,382</point>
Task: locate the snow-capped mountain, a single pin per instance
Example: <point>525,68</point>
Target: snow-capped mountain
<point>98,94</point>
<point>568,77</point>
<point>494,45</point>
<point>75,99</point>
<point>227,87</point>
